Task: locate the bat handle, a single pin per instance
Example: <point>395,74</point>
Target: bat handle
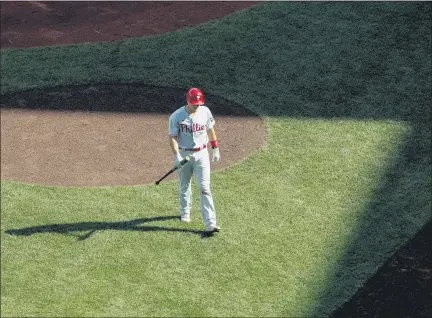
<point>186,159</point>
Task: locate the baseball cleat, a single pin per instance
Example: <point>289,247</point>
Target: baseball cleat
<point>212,231</point>
<point>185,219</point>
<point>216,229</point>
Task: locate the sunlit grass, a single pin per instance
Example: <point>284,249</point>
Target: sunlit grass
<point>287,213</point>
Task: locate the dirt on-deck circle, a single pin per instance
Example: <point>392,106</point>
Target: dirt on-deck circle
<point>110,135</point>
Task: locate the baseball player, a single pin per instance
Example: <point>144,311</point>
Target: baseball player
<point>191,127</point>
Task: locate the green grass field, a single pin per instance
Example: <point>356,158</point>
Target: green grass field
<point>342,182</point>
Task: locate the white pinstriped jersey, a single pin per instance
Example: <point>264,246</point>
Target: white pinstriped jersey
<point>191,129</point>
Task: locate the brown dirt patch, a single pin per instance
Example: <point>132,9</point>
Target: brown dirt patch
<point>41,23</point>
<point>109,135</point>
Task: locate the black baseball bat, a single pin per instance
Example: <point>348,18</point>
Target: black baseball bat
<point>173,169</point>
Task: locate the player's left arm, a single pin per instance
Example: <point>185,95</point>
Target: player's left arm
<point>212,136</point>
<point>213,142</point>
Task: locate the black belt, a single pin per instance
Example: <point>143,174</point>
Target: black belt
<point>194,149</point>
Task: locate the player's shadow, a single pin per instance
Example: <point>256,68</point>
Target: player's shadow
<point>90,228</point>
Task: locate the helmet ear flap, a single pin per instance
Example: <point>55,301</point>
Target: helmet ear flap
<point>195,96</point>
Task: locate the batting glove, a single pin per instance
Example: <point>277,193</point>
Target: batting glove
<point>216,154</point>
<point>177,160</point>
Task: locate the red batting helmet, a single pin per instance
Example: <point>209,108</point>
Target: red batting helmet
<point>194,96</point>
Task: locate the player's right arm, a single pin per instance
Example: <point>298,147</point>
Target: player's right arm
<point>175,149</point>
<point>174,145</point>
<point>173,140</point>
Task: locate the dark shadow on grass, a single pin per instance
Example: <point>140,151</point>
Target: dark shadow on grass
<point>124,98</point>
<point>404,190</point>
<point>396,289</point>
<point>380,69</point>
<point>92,227</point>
<point>406,185</point>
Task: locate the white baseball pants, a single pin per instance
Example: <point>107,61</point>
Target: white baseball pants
<point>198,165</point>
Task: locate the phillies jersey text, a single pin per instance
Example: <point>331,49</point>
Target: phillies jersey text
<point>191,129</point>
